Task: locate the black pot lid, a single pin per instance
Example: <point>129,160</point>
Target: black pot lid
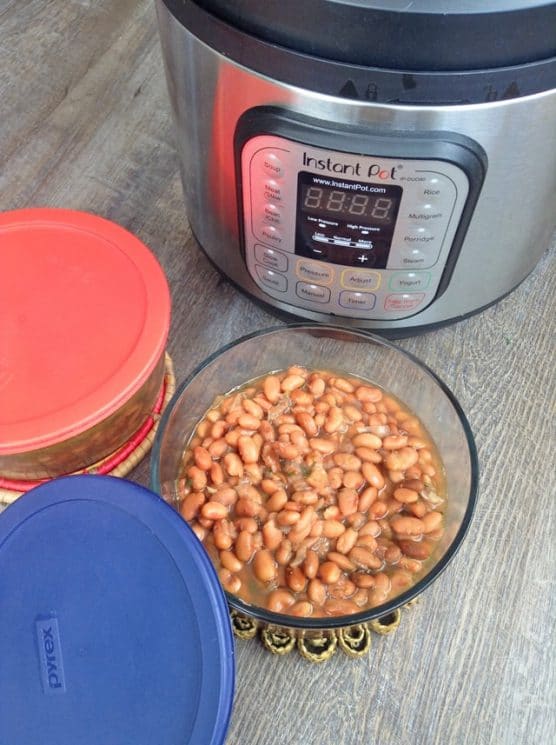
<point>433,35</point>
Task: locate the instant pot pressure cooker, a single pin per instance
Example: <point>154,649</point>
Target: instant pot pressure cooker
<point>385,165</point>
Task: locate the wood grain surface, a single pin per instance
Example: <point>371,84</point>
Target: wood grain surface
<point>85,124</point>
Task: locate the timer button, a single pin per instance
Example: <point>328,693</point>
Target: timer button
<point>312,292</point>
<point>357,300</point>
<point>270,258</point>
<point>271,279</point>
<point>272,165</point>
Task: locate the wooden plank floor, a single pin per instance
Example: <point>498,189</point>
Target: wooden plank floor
<point>85,124</point>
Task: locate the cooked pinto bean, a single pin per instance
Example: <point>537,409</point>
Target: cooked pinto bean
<point>313,484</point>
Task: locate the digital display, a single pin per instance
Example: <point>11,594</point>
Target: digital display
<point>327,200</point>
<point>345,222</point>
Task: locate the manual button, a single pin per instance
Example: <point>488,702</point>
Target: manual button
<point>409,281</point>
<point>315,293</point>
<point>321,274</point>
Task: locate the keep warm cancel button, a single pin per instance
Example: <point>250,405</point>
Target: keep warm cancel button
<point>403,302</point>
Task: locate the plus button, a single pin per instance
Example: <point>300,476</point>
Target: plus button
<point>362,258</point>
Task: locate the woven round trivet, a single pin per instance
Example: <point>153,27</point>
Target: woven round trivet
<point>386,624</point>
<point>355,641</point>
<point>119,463</point>
<point>242,626</point>
<point>278,642</point>
<point>318,649</point>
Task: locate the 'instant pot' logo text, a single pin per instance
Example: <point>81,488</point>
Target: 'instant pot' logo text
<point>374,170</point>
<point>50,655</point>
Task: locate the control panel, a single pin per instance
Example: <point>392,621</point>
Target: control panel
<point>353,235</point>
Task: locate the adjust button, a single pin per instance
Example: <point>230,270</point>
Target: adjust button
<point>405,302</point>
<point>357,300</point>
<point>272,165</point>
<point>409,281</point>
<point>271,258</point>
<point>359,279</point>
<point>271,279</point>
<point>312,271</point>
<point>315,293</point>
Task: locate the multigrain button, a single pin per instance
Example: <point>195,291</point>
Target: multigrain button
<point>357,300</point>
<point>425,211</point>
<point>315,293</point>
<point>271,258</point>
<point>271,279</point>
<point>409,281</point>
<point>403,302</point>
<point>359,279</point>
<point>312,271</point>
<point>272,165</point>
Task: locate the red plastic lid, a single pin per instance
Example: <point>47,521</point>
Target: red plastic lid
<point>84,319</point>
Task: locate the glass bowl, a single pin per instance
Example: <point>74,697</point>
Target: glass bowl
<point>343,351</point>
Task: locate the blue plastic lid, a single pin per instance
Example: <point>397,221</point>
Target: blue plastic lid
<point>115,630</point>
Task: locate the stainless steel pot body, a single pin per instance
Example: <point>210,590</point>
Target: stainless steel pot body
<point>510,226</point>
